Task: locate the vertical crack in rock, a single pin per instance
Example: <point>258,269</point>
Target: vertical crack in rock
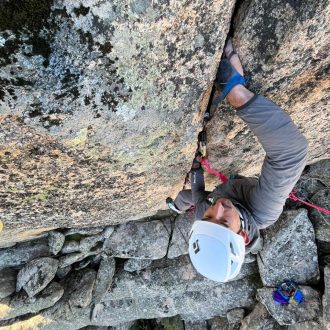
<point>173,218</point>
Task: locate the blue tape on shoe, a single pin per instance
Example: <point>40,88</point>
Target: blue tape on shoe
<point>236,79</point>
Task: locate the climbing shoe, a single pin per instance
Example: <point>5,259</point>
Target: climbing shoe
<point>170,204</point>
<point>227,77</point>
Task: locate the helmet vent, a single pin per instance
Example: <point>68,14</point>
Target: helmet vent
<point>196,247</point>
<point>232,249</point>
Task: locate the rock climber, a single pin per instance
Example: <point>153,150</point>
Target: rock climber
<point>228,219</point>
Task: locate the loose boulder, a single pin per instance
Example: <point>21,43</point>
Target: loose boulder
<point>21,303</point>
<point>289,250</point>
<point>146,240</point>
<point>22,253</point>
<point>36,275</point>
<point>195,325</point>
<point>235,317</point>
<point>104,277</point>
<point>79,287</point>
<point>55,241</point>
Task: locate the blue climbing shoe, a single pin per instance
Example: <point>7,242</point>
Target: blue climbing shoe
<point>227,78</point>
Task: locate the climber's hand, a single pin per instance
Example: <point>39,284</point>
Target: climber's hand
<point>196,164</point>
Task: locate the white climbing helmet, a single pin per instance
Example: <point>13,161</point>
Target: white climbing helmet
<point>215,251</point>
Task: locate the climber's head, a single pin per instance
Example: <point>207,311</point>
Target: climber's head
<point>217,243</point>
<point>223,212</point>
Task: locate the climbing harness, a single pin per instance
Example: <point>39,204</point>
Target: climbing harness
<point>288,293</point>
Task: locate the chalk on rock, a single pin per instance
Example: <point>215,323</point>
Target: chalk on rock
<point>310,309</point>
<point>288,245</point>
<point>36,275</point>
<point>132,265</point>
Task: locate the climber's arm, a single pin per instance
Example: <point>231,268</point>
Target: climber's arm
<point>198,189</point>
<point>286,150</point>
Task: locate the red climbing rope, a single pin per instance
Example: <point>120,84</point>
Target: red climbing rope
<point>221,176</point>
<point>292,196</point>
<point>295,198</point>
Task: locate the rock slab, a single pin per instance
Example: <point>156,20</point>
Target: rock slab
<point>104,277</point>
<point>21,303</point>
<point>145,240</point>
<point>308,310</point>
<point>180,237</point>
<point>289,250</point>
<point>36,275</point>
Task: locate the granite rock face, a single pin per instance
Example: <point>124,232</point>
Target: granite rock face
<point>109,97</point>
<point>235,317</point>
<point>80,287</point>
<point>190,305</point>
<point>289,250</point>
<point>133,265</point>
